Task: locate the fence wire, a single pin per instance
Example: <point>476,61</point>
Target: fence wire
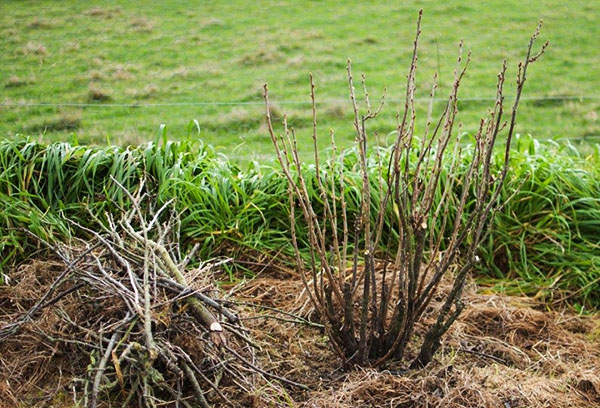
<point>278,102</point>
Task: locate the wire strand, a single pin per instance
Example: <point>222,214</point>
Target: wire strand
<point>239,103</point>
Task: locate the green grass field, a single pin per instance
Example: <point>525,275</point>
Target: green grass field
<point>171,52</point>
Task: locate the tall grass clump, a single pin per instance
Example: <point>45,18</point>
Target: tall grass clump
<point>546,240</point>
<point>46,189</point>
<point>372,291</point>
<point>543,242</point>
<point>43,188</point>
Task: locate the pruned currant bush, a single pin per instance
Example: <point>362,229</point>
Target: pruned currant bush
<point>372,276</point>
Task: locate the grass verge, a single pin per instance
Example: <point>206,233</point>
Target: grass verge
<point>543,242</point>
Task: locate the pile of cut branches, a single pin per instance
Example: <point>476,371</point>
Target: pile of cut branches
<point>122,318</point>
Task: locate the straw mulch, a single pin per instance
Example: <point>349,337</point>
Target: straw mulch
<point>503,352</point>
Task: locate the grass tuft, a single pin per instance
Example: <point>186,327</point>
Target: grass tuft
<point>64,121</point>
<point>141,24</point>
<point>97,93</point>
<point>39,23</point>
<point>15,81</point>
<point>33,48</point>
<point>261,56</point>
<point>102,12</point>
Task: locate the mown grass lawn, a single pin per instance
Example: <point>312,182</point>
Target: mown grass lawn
<point>187,52</point>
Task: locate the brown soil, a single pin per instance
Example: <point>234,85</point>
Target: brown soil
<point>503,352</point>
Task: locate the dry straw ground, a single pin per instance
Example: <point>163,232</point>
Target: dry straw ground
<point>502,352</point>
